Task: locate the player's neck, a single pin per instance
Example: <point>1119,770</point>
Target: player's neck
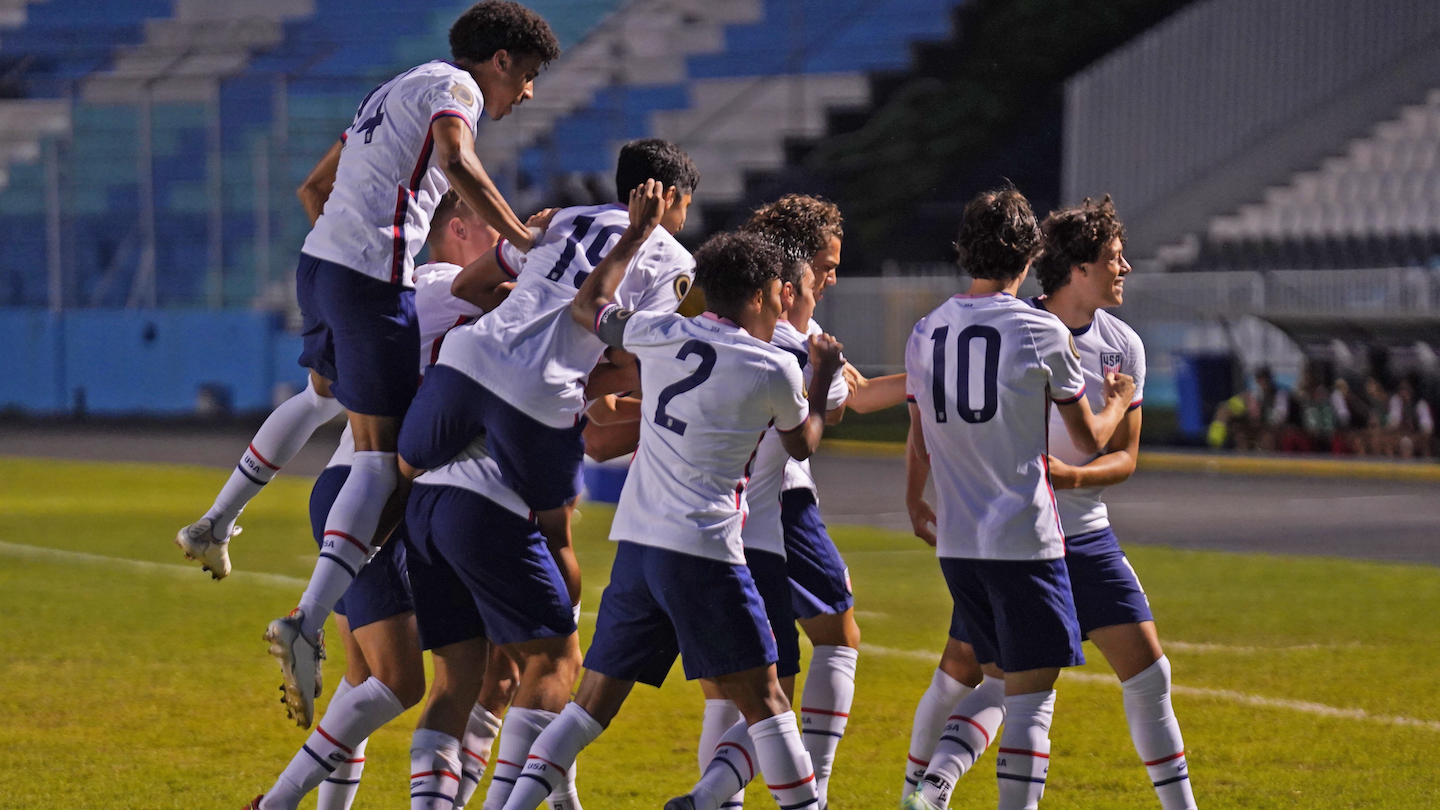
<point>1070,309</point>
<point>452,252</point>
<point>990,286</point>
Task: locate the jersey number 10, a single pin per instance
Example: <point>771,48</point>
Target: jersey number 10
<point>990,400</point>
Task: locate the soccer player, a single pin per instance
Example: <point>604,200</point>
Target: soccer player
<point>1082,270</point>
<point>679,584</point>
<point>796,566</point>
<point>376,615</point>
<point>412,139</point>
<point>983,370</point>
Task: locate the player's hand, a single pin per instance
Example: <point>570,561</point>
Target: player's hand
<point>541,219</point>
<point>922,520</point>
<point>853,378</point>
<point>825,352</point>
<point>1062,475</point>
<point>1119,386</point>
<point>647,206</point>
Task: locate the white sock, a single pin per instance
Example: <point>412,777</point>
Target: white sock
<point>480,733</point>
<point>781,756</point>
<point>825,708</point>
<point>730,769</point>
<point>1024,757</point>
<point>566,796</point>
<point>970,729</point>
<point>349,533</point>
<point>337,792</point>
<point>1156,734</point>
<point>285,431</point>
<point>930,715</point>
<point>434,770</point>
<point>720,717</point>
<point>349,720</point>
<point>517,735</point>
<point>551,756</point>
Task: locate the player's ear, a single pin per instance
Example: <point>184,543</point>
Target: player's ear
<point>501,60</point>
<point>457,227</point>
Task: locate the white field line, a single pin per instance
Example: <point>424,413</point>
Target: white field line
<point>1226,695</point>
<point>191,572</point>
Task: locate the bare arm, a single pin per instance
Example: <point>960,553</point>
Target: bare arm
<point>614,410</point>
<point>1091,431</point>
<point>1112,468</point>
<point>608,378</point>
<point>647,205</point>
<point>606,441</point>
<point>317,186</point>
<point>917,474</point>
<point>455,154</point>
<point>868,395</point>
<point>483,282</point>
<point>825,358</point>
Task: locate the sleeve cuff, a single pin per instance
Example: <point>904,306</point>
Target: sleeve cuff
<point>453,114</point>
<point>1137,403</point>
<point>500,257</point>
<point>1073,399</point>
<point>793,429</point>
<point>910,398</point>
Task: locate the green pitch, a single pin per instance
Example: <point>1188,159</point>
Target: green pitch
<point>1306,683</point>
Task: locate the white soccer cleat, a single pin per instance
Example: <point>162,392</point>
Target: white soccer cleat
<point>917,801</point>
<point>198,542</point>
<point>299,666</point>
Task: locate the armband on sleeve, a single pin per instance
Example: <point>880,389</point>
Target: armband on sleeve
<point>610,325</point>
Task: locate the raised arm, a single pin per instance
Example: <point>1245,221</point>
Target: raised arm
<point>825,358</point>
<point>455,154</point>
<point>317,186</point>
<point>1091,431</point>
<point>647,205</point>
<point>1114,466</point>
<point>484,282</point>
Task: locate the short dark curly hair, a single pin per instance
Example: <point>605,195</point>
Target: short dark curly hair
<point>1072,236</point>
<point>998,235</point>
<point>731,267</point>
<point>798,221</point>
<point>658,159</point>
<point>495,25</point>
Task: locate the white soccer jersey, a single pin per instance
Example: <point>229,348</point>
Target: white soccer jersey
<point>437,312</point>
<point>387,185</point>
<point>474,470</point>
<point>982,371</point>
<point>1107,344</point>
<point>711,391</point>
<point>529,351</point>
<point>771,473</point>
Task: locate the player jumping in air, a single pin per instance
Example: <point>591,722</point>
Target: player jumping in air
<point>412,139</point>
<point>983,370</point>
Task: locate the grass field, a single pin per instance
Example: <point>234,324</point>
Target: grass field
<point>1303,682</point>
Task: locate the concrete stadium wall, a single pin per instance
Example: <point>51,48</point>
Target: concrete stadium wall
<point>162,362</point>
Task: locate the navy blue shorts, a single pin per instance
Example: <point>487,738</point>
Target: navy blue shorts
<point>382,588</point>
<point>661,603</point>
<point>819,577</point>
<point>478,569</point>
<point>1107,592</point>
<point>540,463</point>
<point>774,586</point>
<point>1017,614</point>
<point>361,334</point>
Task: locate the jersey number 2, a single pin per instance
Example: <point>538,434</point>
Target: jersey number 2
<point>700,375</point>
<point>990,400</point>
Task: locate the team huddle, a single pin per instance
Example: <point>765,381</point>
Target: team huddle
<point>476,384</point>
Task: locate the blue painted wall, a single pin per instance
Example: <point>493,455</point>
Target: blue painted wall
<point>143,361</point>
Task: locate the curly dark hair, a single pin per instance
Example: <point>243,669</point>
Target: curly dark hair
<point>1072,236</point>
<point>731,267</point>
<point>495,25</point>
<point>798,222</point>
<point>654,158</point>
<point>998,235</point>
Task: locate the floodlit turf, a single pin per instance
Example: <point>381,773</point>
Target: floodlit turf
<point>126,686</point>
